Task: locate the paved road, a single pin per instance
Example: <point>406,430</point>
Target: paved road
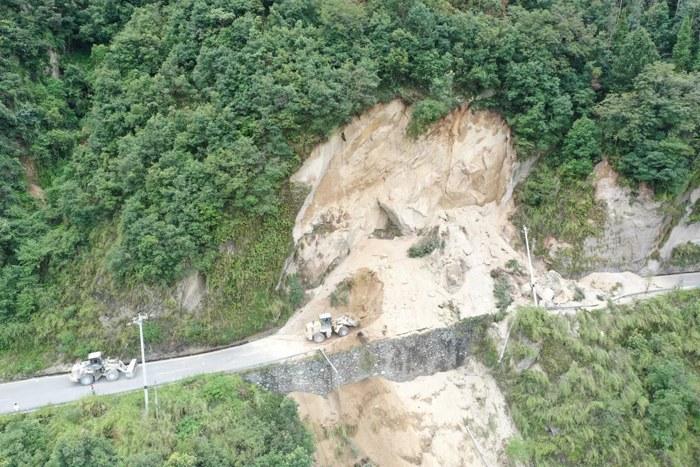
<point>656,285</point>
<point>37,392</point>
<point>687,280</point>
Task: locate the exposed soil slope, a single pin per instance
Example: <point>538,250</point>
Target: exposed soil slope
<point>427,421</point>
<point>374,192</point>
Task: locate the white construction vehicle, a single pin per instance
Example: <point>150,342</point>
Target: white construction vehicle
<point>322,328</point>
<point>95,367</point>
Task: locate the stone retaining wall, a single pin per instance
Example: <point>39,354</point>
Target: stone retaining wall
<point>398,359</point>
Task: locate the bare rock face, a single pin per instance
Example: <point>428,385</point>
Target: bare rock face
<point>372,175</point>
<point>683,232</point>
<point>632,228</point>
<point>191,290</point>
<point>317,254</point>
<point>553,289</point>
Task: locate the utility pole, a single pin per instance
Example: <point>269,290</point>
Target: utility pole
<point>139,321</point>
<point>155,389</point>
<point>529,264</point>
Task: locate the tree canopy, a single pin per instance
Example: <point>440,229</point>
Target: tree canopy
<point>212,421</point>
<point>146,128</point>
<point>617,386</point>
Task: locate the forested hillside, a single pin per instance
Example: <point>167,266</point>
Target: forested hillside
<point>139,136</point>
<point>201,422</point>
<point>619,386</point>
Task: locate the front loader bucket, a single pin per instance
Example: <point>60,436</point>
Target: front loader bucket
<point>129,372</point>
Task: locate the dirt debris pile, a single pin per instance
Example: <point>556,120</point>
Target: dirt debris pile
<point>374,193</point>
<point>412,234</point>
<point>427,421</point>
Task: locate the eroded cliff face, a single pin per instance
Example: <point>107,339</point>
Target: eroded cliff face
<point>639,233</point>
<point>372,177</point>
<point>686,230</point>
<point>375,192</point>
<point>634,224</point>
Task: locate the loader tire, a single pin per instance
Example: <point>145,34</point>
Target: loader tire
<point>112,375</point>
<point>343,331</point>
<point>87,380</point>
<point>319,337</point>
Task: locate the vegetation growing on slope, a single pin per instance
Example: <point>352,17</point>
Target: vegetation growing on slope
<point>426,244</point>
<point>554,202</point>
<point>686,254</point>
<point>156,125</point>
<point>611,387</point>
<point>217,420</point>
<point>694,212</point>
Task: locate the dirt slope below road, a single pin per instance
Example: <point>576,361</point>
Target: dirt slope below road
<point>423,422</point>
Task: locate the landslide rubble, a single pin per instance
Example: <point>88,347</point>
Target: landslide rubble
<point>413,234</point>
<point>428,421</point>
<point>374,193</point>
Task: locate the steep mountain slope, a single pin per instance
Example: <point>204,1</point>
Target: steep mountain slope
<point>375,192</point>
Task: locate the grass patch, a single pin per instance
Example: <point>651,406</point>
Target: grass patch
<point>425,245</point>
<point>514,267</point>
<point>612,387</point>
<point>243,299</point>
<point>553,205</point>
<point>694,213</point>
<point>687,254</point>
<point>341,294</point>
<point>214,420</point>
<point>502,290</point>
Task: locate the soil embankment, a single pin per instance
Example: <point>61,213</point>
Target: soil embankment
<point>421,399</point>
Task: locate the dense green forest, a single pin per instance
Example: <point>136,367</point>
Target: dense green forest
<point>619,386</point>
<point>204,422</point>
<point>150,132</point>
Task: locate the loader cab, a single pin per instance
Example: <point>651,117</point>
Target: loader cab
<point>95,359</point>
<point>326,320</point>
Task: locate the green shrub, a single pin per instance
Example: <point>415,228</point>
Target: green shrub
<point>501,289</point>
<point>514,266</point>
<point>612,387</point>
<point>341,294</point>
<point>213,420</point>
<point>295,291</point>
<point>687,254</point>
<point>425,113</point>
<point>425,245</point>
<point>694,216</point>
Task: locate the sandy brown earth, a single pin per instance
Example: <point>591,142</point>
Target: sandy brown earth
<point>424,422</point>
<point>373,194</point>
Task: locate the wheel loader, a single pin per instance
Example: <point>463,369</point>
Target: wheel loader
<point>322,328</point>
<point>95,367</point>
